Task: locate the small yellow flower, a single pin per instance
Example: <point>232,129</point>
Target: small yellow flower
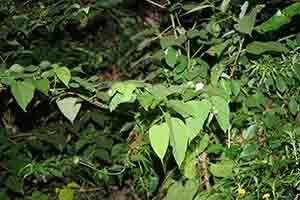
<point>242,191</point>
<point>266,196</point>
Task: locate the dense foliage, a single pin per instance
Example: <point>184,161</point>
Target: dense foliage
<point>125,99</point>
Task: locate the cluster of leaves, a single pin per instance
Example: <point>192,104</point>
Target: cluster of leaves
<point>213,112</point>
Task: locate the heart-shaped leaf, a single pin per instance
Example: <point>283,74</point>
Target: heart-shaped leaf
<point>69,107</point>
<point>159,139</point>
<point>221,110</point>
<point>23,92</point>
<point>64,74</point>
<point>179,138</point>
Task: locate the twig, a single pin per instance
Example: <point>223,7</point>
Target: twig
<point>237,57</point>
<point>21,135</point>
<point>156,4</point>
<point>89,189</point>
<point>95,103</point>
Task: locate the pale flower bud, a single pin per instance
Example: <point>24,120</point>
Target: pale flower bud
<point>199,86</point>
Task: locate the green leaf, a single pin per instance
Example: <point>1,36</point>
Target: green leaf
<point>169,41</point>
<point>258,48</point>
<point>175,191</point>
<point>15,184</point>
<point>296,70</point>
<point>200,113</point>
<point>159,139</point>
<point>190,165</point>
<point>3,195</point>
<point>235,87</point>
<point>69,107</point>
<point>249,151</point>
<point>171,56</point>
<point>274,23</point>
<point>293,106</point>
<point>66,194</point>
<point>23,92</point>
<point>63,73</point>
<point>279,19</point>
<point>16,68</point>
<point>222,169</point>
<point>247,22</point>
<point>123,92</point>
<point>218,49</point>
<point>190,189</point>
<point>85,83</point>
<point>48,74</point>
<point>180,107</point>
<point>292,10</point>
<point>281,84</point>
<point>250,132</point>
<point>146,100</point>
<point>216,73</point>
<point>38,196</point>
<point>221,111</point>
<point>42,85</point>
<point>179,139</point>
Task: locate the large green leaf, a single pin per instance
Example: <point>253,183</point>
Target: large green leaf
<point>146,100</point>
<point>190,165</point>
<point>216,72</point>
<point>180,107</point>
<point>190,189</point>
<point>247,22</point>
<point>258,48</point>
<point>159,139</point>
<point>69,107</point>
<point>222,169</point>
<point>42,85</point>
<point>274,23</point>
<point>200,113</point>
<point>293,106</point>
<point>66,194</point>
<point>292,10</point>
<point>179,139</point>
<point>38,196</point>
<point>175,191</point>
<point>15,184</point>
<point>279,19</point>
<point>63,73</point>
<point>250,132</point>
<point>123,92</point>
<point>221,111</point>
<point>249,151</point>
<point>23,92</point>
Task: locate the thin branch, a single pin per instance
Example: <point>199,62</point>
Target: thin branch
<point>156,4</point>
<point>90,189</point>
<point>91,101</point>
